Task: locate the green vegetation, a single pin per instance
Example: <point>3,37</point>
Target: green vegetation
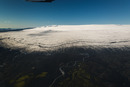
<point>22,81</point>
<point>20,84</point>
<point>43,74</point>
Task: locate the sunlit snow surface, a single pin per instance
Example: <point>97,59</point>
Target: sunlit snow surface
<point>54,37</point>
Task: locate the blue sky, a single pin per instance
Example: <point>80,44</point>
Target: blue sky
<point>19,13</point>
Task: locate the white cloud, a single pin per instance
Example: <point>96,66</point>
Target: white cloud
<point>53,37</point>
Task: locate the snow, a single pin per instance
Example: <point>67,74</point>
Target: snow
<point>54,37</point>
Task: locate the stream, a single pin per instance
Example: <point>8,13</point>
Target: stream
<point>86,56</point>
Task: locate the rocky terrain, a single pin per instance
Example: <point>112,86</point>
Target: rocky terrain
<point>106,67</point>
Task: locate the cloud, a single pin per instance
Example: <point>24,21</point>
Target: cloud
<point>54,37</point>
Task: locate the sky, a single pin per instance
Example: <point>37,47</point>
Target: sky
<point>20,13</point>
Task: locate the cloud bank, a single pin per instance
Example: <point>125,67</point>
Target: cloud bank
<point>54,37</point>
